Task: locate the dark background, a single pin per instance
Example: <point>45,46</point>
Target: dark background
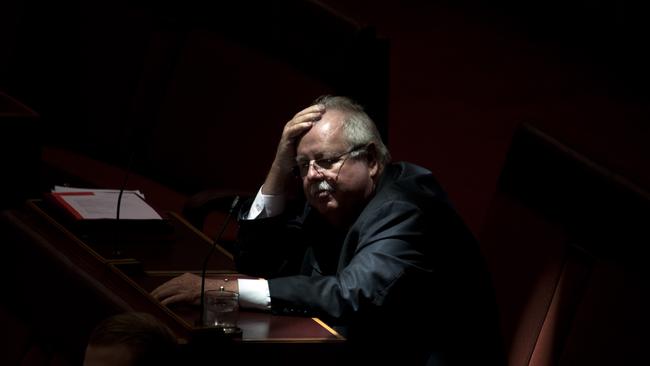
<point>464,73</point>
<point>197,92</point>
<point>205,100</point>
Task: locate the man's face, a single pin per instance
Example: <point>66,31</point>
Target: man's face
<point>338,191</point>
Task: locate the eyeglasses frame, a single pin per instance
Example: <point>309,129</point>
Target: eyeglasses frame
<point>333,161</point>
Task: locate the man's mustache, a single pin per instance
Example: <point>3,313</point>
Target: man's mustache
<point>323,185</point>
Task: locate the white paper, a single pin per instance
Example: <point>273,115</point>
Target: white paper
<point>96,204</point>
<point>76,189</point>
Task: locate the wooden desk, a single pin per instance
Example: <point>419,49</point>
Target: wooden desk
<point>69,267</point>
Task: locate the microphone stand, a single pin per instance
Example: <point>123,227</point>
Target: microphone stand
<point>233,205</point>
<point>117,252</point>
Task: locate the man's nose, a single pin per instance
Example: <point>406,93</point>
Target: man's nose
<point>313,171</point>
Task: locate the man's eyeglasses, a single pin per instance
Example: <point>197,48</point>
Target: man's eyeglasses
<point>328,164</point>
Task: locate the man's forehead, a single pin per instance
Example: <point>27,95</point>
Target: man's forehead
<point>326,132</point>
<point>328,128</point>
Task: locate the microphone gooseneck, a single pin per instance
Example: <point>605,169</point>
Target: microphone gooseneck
<point>116,247</point>
<point>233,205</point>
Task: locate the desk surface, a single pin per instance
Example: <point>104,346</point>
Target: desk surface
<point>149,260</point>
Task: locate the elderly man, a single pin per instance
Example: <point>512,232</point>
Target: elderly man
<point>376,250</point>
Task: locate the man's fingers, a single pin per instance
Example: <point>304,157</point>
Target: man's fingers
<point>160,290</point>
<point>303,121</point>
<point>174,299</point>
<point>172,286</point>
<point>163,291</point>
<point>298,129</point>
<point>314,109</point>
<point>307,115</point>
<point>172,294</point>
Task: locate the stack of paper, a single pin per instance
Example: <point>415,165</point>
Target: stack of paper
<point>93,204</point>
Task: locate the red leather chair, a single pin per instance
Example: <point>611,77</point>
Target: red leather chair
<point>563,240</point>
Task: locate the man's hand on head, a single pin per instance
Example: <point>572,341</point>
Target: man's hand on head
<point>293,130</point>
<point>285,156</point>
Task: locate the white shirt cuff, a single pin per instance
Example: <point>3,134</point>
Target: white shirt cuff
<point>254,294</point>
<point>265,206</point>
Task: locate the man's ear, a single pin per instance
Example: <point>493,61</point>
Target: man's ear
<point>372,158</point>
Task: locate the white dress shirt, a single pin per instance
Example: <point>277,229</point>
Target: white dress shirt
<point>255,293</point>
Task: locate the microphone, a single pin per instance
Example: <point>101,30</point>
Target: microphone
<point>117,253</point>
<point>233,205</point>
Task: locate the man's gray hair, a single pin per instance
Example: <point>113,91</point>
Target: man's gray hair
<point>358,127</point>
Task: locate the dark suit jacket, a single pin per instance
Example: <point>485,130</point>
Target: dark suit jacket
<point>407,266</point>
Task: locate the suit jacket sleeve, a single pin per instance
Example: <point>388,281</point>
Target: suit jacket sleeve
<point>384,248</point>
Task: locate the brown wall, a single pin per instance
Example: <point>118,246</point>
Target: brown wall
<point>463,74</point>
<point>197,91</point>
<point>463,77</point>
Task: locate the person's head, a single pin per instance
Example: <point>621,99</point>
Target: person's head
<point>133,339</point>
<point>340,160</point>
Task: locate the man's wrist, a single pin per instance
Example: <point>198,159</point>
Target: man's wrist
<point>254,294</point>
<point>265,205</point>
<point>224,284</point>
